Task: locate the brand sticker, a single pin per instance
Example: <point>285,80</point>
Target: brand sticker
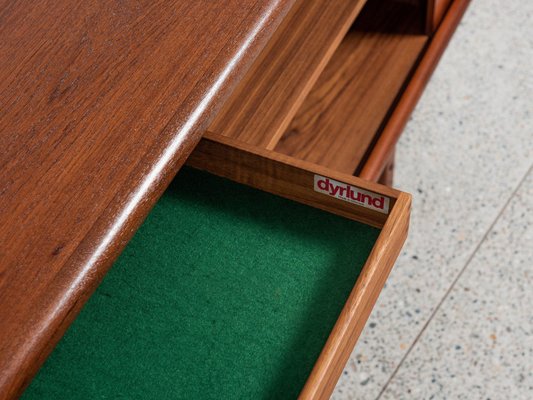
<point>351,194</point>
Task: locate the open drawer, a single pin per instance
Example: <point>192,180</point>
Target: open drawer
<point>227,291</point>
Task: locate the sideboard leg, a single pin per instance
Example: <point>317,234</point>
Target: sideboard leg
<point>386,177</point>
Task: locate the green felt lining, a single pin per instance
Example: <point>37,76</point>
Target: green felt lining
<point>224,292</point>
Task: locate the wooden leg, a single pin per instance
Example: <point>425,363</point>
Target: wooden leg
<point>386,177</point>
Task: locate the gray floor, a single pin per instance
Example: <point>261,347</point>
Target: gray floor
<point>456,317</point>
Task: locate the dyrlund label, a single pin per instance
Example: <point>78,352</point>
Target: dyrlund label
<point>352,194</point>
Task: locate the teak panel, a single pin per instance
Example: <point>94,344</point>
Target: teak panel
<point>100,104</point>
<point>347,106</point>
<point>268,97</point>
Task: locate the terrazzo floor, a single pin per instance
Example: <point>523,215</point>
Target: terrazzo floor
<point>455,320</point>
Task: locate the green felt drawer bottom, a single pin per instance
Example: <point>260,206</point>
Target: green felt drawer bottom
<point>224,292</point>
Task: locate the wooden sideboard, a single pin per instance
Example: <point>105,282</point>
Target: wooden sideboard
<point>101,103</point>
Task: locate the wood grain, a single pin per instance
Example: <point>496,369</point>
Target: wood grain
<point>355,312</point>
<point>381,151</point>
<point>284,176</point>
<point>100,104</point>
<point>345,109</point>
<point>267,99</point>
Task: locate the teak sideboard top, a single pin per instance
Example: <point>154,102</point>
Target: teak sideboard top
<point>100,104</point>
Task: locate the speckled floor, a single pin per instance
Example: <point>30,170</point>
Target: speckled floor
<point>455,320</point>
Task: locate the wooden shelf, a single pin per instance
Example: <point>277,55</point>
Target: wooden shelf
<point>266,100</point>
<point>350,101</point>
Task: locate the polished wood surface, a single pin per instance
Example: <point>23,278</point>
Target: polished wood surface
<point>284,176</point>
<point>356,311</point>
<point>100,104</point>
<point>382,150</point>
<point>345,109</point>
<point>267,99</point>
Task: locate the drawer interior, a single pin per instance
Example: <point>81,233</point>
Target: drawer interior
<point>332,111</point>
<point>225,291</point>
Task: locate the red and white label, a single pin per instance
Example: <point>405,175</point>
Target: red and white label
<point>352,194</point>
